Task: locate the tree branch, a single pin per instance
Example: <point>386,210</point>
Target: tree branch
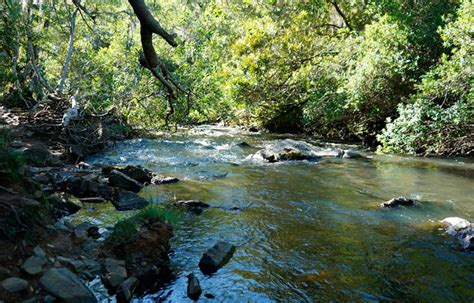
<point>341,13</point>
<point>148,21</point>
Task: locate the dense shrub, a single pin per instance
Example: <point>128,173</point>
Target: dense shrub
<point>440,119</point>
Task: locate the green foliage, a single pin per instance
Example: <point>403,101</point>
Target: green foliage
<point>288,66</point>
<point>439,120</point>
<point>127,228</point>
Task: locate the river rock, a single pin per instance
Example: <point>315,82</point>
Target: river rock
<point>115,273</point>
<point>216,257</point>
<point>34,264</point>
<point>293,150</point>
<point>63,206</point>
<point>65,285</point>
<point>91,268</point>
<point>86,229</point>
<point>14,284</point>
<point>83,187</point>
<point>127,200</point>
<point>194,206</point>
<point>121,180</point>
<point>159,179</point>
<point>87,268</point>
<point>93,200</point>
<point>462,229</point>
<point>194,288</point>
<point>137,173</point>
<point>126,289</point>
<point>395,202</point>
<point>349,153</point>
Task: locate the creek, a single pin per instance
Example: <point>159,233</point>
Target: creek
<point>304,231</point>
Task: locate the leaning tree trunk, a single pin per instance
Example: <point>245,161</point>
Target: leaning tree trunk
<point>149,26</point>
<point>70,47</point>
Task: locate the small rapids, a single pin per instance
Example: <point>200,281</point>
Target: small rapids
<point>305,231</point>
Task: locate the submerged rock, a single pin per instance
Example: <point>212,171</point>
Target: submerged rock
<point>395,202</point>
<point>243,144</point>
<point>65,285</point>
<point>194,288</point>
<point>127,200</point>
<point>14,284</point>
<point>194,206</point>
<point>216,257</point>
<point>293,150</point>
<point>462,229</point>
<point>123,181</point>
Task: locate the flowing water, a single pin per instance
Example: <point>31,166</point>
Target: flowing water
<point>305,231</point>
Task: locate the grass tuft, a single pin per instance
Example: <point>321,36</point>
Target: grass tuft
<point>125,229</point>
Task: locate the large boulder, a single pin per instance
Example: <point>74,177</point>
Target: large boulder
<point>293,150</point>
<point>462,229</point>
<point>216,257</point>
<point>127,200</point>
<point>123,181</point>
<point>65,285</point>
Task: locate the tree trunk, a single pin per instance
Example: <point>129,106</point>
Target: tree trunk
<point>69,53</point>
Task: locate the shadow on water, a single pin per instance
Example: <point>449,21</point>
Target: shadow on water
<point>307,232</point>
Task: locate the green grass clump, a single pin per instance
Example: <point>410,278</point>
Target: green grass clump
<point>154,212</point>
<point>127,228</point>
